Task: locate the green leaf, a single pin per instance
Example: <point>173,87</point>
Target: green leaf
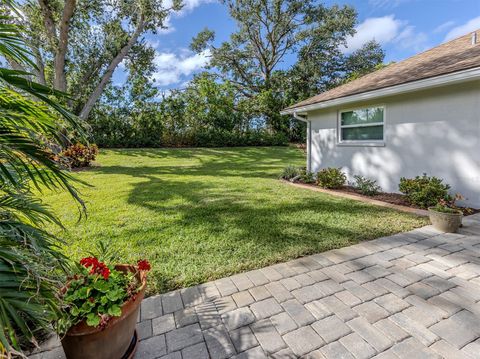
<point>93,319</point>
<point>102,286</point>
<point>115,310</point>
<point>82,293</point>
<point>114,295</point>
<point>87,306</point>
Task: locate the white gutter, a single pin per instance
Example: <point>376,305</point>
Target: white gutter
<point>309,138</point>
<point>298,117</point>
<point>448,79</point>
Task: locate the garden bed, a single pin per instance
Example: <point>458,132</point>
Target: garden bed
<point>393,200</point>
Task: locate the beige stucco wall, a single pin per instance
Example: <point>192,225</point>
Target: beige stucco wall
<point>435,131</point>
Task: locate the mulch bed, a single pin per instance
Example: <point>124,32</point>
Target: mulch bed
<point>393,198</point>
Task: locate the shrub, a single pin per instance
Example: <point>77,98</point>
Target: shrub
<point>133,130</point>
<point>366,186</point>
<point>224,138</point>
<point>424,191</point>
<point>331,178</point>
<point>79,155</point>
<point>307,176</point>
<point>290,172</point>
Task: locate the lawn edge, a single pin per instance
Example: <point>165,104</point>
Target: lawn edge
<point>416,211</point>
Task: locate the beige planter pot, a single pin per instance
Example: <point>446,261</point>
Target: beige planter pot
<point>445,222</point>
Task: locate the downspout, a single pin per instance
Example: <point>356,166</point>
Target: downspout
<point>309,138</point>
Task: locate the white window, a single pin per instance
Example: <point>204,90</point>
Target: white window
<point>362,126</point>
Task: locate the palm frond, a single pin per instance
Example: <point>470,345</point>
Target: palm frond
<point>30,260</point>
<point>20,80</point>
<point>25,126</point>
<point>12,45</point>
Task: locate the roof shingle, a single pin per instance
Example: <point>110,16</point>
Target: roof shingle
<point>456,55</point>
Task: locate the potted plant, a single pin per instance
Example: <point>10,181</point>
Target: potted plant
<point>100,309</point>
<point>446,216</point>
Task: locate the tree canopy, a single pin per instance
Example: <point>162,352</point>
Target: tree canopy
<point>270,31</point>
<point>281,52</point>
<point>78,44</point>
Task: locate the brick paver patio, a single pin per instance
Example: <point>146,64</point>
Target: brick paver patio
<point>411,295</point>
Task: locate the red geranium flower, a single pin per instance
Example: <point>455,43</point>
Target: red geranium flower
<point>144,265</point>
<point>89,262</point>
<point>97,267</point>
<point>105,272</point>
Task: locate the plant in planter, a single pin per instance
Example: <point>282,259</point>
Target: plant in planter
<point>100,306</point>
<point>445,215</point>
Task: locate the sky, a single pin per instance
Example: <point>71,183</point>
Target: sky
<point>403,28</point>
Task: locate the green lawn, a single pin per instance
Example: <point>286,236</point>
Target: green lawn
<point>201,214</point>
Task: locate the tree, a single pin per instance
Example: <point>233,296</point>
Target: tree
<point>323,65</point>
<point>30,260</point>
<point>211,105</point>
<point>78,44</point>
<point>269,31</point>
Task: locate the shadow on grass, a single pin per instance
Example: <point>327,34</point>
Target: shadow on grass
<point>249,162</point>
<point>234,155</point>
<point>225,225</point>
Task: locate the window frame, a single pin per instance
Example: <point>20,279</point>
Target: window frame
<point>341,142</point>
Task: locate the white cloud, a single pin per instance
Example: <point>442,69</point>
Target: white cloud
<point>471,25</point>
<point>409,39</point>
<point>184,84</point>
<point>172,68</point>
<point>188,7</point>
<point>382,29</point>
<point>122,65</point>
<point>443,27</point>
<point>152,42</point>
<point>167,26</point>
<point>386,29</point>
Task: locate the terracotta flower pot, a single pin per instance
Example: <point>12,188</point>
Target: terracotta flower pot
<point>113,341</point>
<point>445,222</point>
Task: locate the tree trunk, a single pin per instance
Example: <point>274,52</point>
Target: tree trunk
<point>60,81</point>
<point>48,22</point>
<point>95,95</point>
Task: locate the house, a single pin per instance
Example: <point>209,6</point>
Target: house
<point>420,115</point>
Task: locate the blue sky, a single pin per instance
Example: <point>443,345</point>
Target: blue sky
<point>403,27</point>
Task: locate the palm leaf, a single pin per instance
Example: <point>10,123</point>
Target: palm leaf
<point>11,43</point>
<point>30,260</point>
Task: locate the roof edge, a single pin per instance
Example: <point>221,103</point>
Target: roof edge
<point>432,82</point>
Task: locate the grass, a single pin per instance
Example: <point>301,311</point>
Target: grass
<point>201,214</point>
